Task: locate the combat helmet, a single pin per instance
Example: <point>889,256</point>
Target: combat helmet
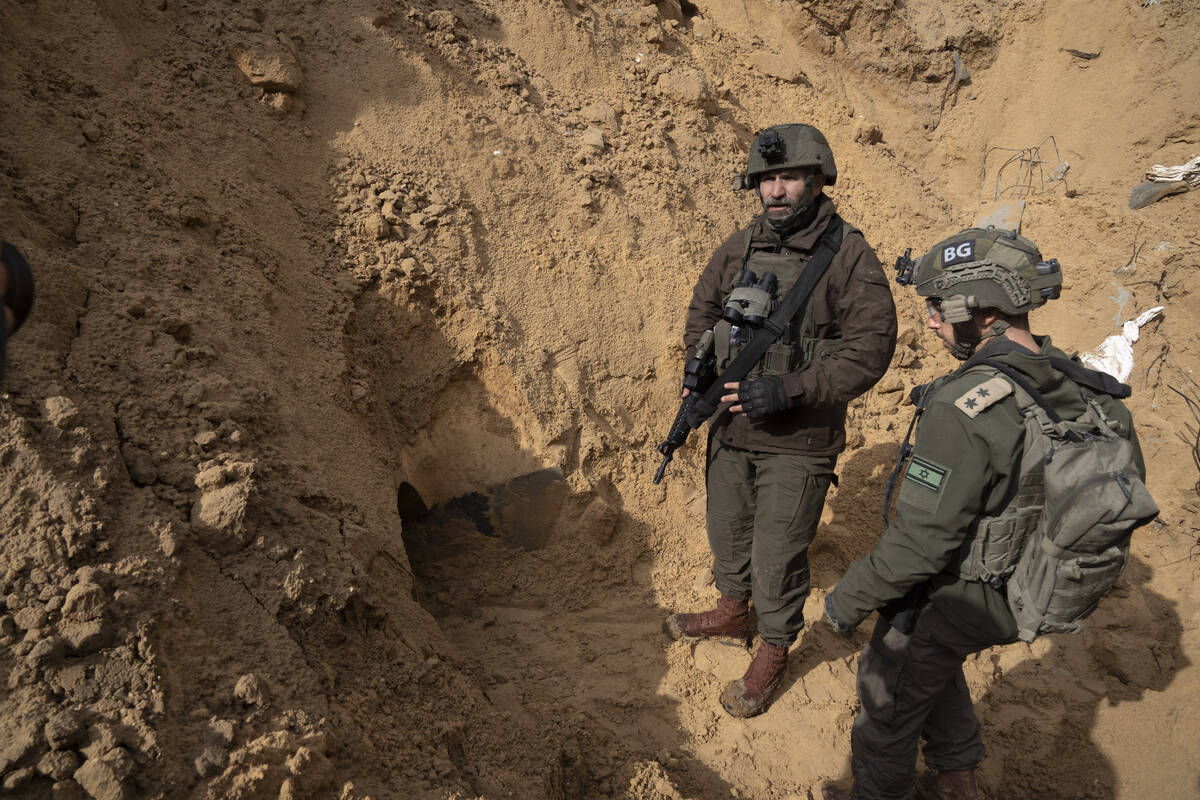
<point>984,268</point>
<point>787,147</point>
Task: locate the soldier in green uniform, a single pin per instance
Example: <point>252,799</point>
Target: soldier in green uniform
<point>774,440</point>
<point>979,286</point>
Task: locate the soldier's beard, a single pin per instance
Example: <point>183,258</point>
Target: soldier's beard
<point>798,214</point>
<point>786,204</point>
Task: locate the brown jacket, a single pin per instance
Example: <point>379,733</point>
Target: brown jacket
<point>851,302</point>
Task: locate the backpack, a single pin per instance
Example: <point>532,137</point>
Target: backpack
<point>1063,540</point>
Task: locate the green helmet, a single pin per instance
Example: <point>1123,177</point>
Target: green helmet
<point>786,147</point>
<point>986,268</point>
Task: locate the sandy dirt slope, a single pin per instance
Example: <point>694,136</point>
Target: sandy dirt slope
<point>325,460</point>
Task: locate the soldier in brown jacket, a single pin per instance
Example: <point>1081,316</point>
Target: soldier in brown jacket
<point>774,441</point>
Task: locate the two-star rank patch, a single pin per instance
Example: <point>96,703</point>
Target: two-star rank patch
<point>985,394</point>
<point>923,483</point>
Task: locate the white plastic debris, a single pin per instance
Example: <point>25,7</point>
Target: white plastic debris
<point>1115,354</point>
<point>1189,172</point>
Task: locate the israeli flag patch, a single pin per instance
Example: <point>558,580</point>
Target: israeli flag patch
<point>923,484</point>
<point>926,474</point>
<point>958,253</point>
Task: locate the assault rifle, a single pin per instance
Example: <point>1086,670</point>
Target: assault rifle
<point>698,374</point>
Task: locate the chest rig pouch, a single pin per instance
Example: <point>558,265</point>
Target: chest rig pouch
<point>761,284</point>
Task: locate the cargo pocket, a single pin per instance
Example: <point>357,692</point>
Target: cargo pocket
<point>879,681</point>
<point>780,359</point>
<point>999,543</point>
<point>1083,581</point>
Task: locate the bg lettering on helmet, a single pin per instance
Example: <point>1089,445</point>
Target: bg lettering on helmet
<point>956,254</point>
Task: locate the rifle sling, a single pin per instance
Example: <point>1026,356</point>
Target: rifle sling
<point>793,302</point>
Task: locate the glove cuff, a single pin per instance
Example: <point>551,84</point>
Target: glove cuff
<point>841,628</point>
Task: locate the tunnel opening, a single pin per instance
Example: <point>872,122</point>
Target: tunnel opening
<point>409,504</point>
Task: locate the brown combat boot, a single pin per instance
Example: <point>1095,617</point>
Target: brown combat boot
<point>729,620</point>
<point>950,784</point>
<point>752,694</point>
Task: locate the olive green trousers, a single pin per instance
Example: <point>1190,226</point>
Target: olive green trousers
<point>911,687</point>
<point>763,511</point>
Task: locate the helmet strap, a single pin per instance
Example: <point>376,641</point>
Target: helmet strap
<point>993,331</point>
<point>965,342</point>
<point>997,328</point>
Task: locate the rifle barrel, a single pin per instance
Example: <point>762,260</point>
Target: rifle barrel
<point>658,476</point>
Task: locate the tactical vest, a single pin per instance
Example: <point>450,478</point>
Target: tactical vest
<point>798,344</point>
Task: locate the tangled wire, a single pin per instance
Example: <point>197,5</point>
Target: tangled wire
<point>1192,436</point>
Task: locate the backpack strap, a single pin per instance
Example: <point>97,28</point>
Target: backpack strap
<point>1092,379</point>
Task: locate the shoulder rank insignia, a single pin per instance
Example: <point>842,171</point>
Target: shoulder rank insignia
<point>985,394</point>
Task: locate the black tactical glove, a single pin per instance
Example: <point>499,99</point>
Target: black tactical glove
<point>841,628</point>
<point>763,396</point>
